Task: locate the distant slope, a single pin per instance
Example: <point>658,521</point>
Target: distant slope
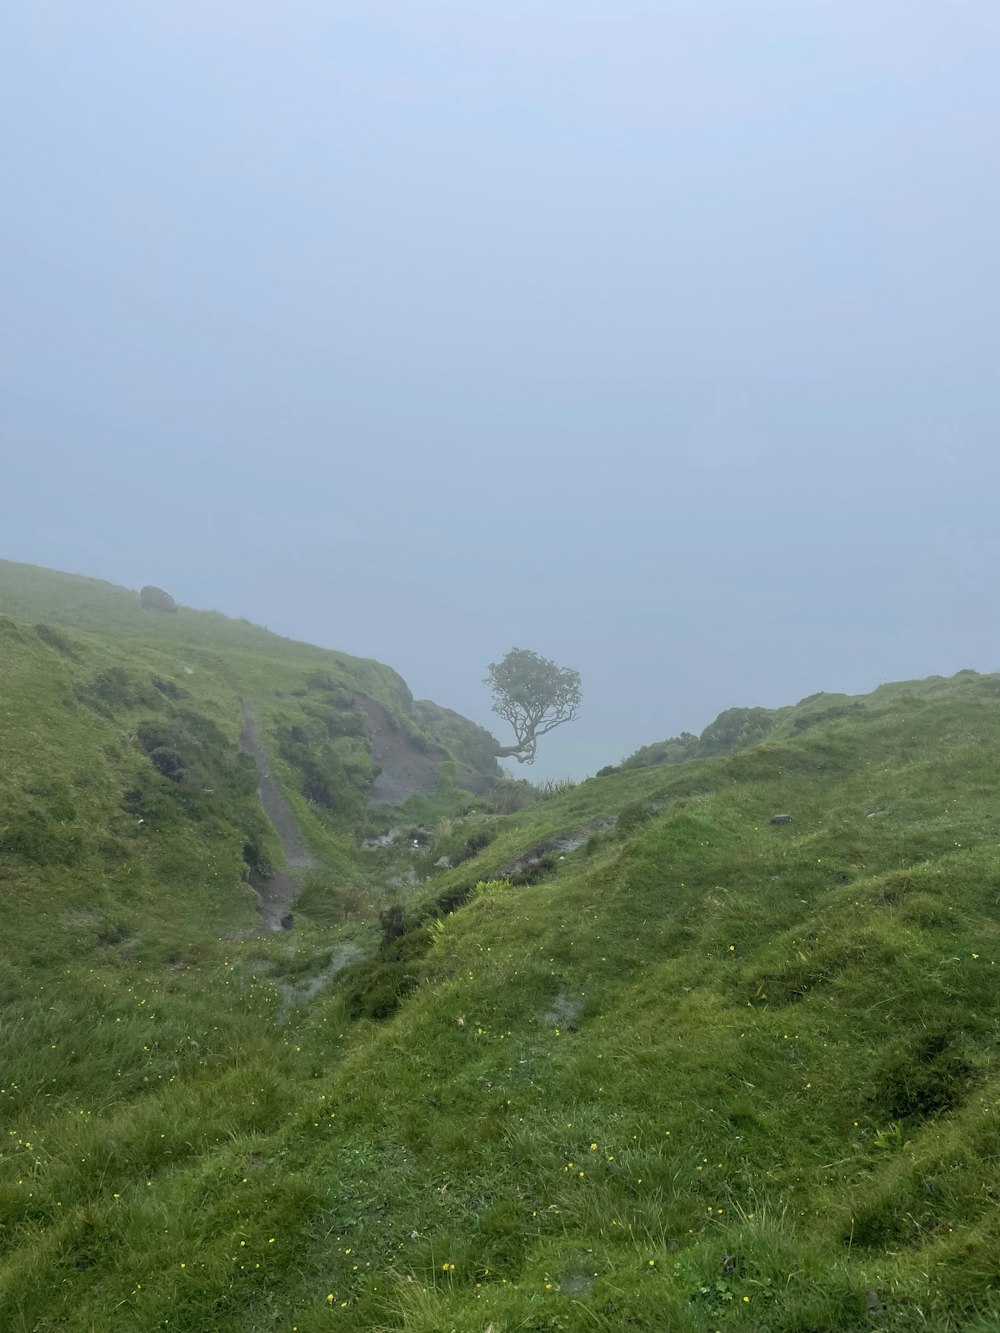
<point>737,728</point>
<point>311,699</point>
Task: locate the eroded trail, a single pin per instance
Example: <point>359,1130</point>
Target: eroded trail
<point>276,895</point>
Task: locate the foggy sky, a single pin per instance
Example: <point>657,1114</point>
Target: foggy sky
<point>659,336</point>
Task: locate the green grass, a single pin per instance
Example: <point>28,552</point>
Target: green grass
<point>704,1073</point>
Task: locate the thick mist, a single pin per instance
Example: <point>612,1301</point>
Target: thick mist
<point>659,338</point>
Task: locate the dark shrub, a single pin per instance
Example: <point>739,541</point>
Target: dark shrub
<point>393,925</point>
<point>257,861</point>
<point>448,901</point>
<point>167,762</point>
<point>473,846</point>
<point>166,687</point>
<point>152,736</point>
<point>380,992</point>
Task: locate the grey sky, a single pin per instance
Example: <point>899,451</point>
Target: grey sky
<point>658,337</point>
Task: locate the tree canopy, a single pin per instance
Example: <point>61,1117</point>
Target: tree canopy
<point>534,696</point>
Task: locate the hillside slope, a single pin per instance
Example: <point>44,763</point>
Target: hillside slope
<point>314,704</point>
<point>637,1058</point>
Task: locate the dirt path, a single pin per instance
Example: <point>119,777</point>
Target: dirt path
<point>276,895</point>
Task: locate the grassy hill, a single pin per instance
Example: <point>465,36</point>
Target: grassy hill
<point>637,1058</point>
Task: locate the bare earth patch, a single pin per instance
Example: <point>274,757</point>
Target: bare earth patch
<point>276,894</point>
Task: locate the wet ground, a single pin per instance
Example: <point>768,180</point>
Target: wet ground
<point>276,894</point>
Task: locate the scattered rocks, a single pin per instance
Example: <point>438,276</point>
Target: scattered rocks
<point>534,855</point>
<point>383,840</point>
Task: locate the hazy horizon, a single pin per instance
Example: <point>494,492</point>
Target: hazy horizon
<point>657,338</point>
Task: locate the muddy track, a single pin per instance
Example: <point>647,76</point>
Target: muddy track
<point>276,894</point>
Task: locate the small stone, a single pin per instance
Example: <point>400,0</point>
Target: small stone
<point>872,1301</point>
<point>781,819</point>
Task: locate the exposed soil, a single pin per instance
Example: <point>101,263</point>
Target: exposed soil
<point>276,895</point>
<point>563,843</point>
<point>406,769</point>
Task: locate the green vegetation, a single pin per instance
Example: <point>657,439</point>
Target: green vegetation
<point>534,696</point>
<point>736,728</point>
<point>636,1059</point>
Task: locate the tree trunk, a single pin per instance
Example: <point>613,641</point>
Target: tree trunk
<point>513,752</point>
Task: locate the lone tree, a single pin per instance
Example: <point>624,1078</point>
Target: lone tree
<point>533,695</point>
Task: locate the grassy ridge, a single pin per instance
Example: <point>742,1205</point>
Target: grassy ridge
<point>702,1073</point>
